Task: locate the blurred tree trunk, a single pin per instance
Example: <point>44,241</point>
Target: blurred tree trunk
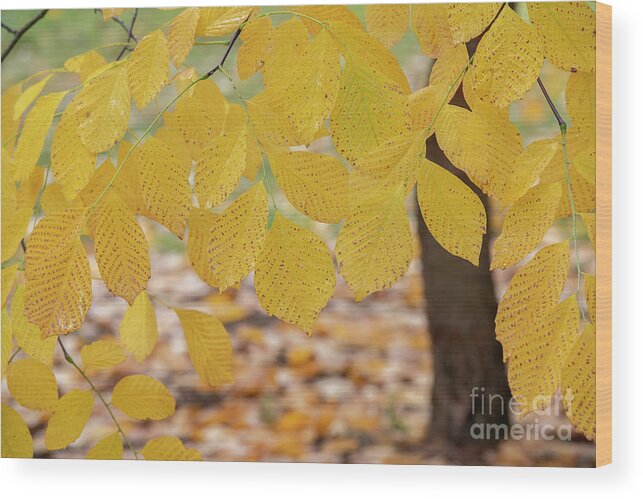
<point>461,309</point>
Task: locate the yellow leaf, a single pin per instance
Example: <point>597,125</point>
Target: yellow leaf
<point>430,23</point>
<point>453,213</point>
<point>9,279</point>
<point>425,104</point>
<point>368,112</point>
<point>220,168</point>
<point>143,397</point>
<point>29,190</point>
<point>109,447</point>
<point>97,184</point>
<point>532,292</point>
<point>85,64</point>
<point>568,30</point>
<point>332,15</point>
<point>138,330</point>
<point>15,219</point>
<point>255,37</point>
<point>219,21</point>
<point>590,296</point>
<point>295,276</point>
<point>589,219</point>
<point>199,116</point>
<point>180,148</point>
<point>104,107</point>
<point>270,122</point>
<point>27,97</point>
<point>482,143</point>
<point>32,384</point>
<point>209,346</point>
<point>166,198</point>
<point>582,175</point>
<point>16,438</point>
<point>450,68</point>
<point>28,335</point>
<point>530,164</point>
<point>375,244</point>
<point>53,199</point>
<point>120,249</point>
<point>387,23</point>
<point>127,183</point>
<point>358,47</point>
<point>168,449</point>
<point>223,249</point>
<point>313,84</point>
<point>538,357</point>
<point>181,33</point>
<point>315,184</point>
<point>58,280</point>
<point>507,61</point>
<point>148,68</point>
<point>69,419</point>
<point>580,102</point>
<point>34,132</point>
<point>9,125</point>
<point>101,355</point>
<point>526,224</point>
<point>468,20</point>
<point>579,383</point>
<point>71,162</point>
<point>7,340</point>
<point>394,162</point>
<point>286,43</point>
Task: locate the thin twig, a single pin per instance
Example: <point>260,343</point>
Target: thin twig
<point>20,33</point>
<point>130,35</point>
<point>13,355</point>
<point>227,52</point>
<point>9,29</point>
<point>71,361</point>
<point>559,118</point>
<point>120,22</point>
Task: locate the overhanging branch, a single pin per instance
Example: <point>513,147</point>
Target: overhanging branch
<point>20,33</point>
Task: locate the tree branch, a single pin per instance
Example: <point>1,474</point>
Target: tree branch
<point>20,33</point>
<point>130,35</point>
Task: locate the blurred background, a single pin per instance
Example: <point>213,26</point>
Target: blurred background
<point>358,390</point>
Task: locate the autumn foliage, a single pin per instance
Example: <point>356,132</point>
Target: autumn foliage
<point>201,170</point>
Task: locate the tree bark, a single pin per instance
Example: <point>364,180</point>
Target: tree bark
<point>467,360</point>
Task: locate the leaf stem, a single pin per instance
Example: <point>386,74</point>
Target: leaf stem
<point>213,42</point>
<point>563,133</point>
<point>71,361</point>
<point>254,133</point>
<point>13,355</point>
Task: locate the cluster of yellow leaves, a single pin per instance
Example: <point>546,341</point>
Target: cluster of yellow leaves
<point>323,75</point>
<point>539,332</point>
